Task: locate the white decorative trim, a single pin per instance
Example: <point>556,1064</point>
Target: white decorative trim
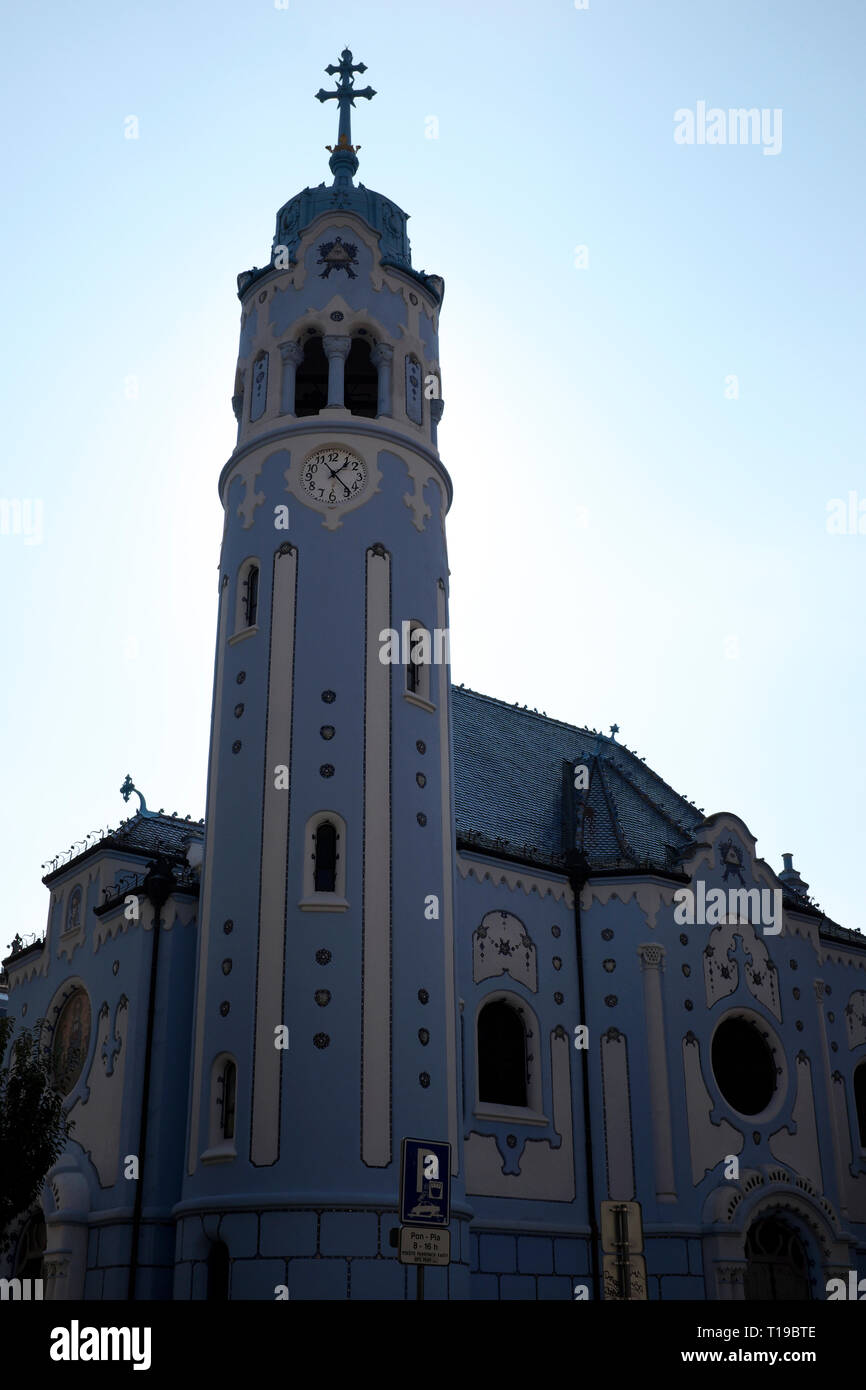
<point>855,1018</point>
<point>518,1114</point>
<point>616,1091</point>
<point>267,1065</point>
<point>798,1146</point>
<point>709,1141</point>
<point>117,922</point>
<point>652,964</point>
<point>448,881</point>
<point>421,472</point>
<point>197,1099</point>
<point>648,893</point>
<point>376,929</point>
<point>529,880</point>
<point>414,699</point>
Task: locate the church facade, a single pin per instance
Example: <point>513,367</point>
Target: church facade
<point>416,911</point>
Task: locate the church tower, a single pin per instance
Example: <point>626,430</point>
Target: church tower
<point>325,1025</point>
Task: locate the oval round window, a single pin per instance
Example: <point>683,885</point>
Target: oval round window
<point>70,1041</point>
<point>743,1065</point>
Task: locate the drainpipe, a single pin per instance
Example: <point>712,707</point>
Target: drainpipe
<point>578,873</point>
<point>158,887</point>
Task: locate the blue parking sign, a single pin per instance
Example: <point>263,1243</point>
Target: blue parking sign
<point>425,1182</point>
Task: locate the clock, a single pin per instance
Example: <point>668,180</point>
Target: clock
<point>333,475</point>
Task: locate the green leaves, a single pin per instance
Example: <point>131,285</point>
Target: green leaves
<point>33,1127</point>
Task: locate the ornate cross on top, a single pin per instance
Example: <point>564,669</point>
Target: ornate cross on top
<point>345,96</point>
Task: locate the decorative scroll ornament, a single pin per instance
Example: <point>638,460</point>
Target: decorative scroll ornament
<point>126,791</point>
<point>502,944</point>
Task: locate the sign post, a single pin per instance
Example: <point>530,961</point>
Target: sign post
<point>425,1205</point>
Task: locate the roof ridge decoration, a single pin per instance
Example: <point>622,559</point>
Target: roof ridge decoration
<point>126,792</point>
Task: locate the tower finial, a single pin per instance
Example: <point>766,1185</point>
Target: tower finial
<point>343,159</point>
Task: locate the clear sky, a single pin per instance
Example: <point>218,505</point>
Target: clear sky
<point>644,436</point>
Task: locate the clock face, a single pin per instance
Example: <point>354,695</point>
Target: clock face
<point>333,475</point>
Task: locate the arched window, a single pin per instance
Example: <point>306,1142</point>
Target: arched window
<point>247,598</point>
<point>228,1085</point>
<point>251,595</point>
<point>325,872</point>
<point>361,381</point>
<point>860,1101</point>
<point>222,1124</point>
<point>418,656</point>
<point>218,1264</point>
<point>325,863</point>
<point>501,1055</point>
<point>311,380</point>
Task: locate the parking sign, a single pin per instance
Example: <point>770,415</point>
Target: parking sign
<point>425,1183</point>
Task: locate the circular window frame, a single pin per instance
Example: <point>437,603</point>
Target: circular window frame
<point>59,1002</point>
<point>774,1042</point>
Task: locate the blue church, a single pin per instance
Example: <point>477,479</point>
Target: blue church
<point>415,911</point>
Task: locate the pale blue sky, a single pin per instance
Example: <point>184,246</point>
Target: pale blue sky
<point>703,606</point>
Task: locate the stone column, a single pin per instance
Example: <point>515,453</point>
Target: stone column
<point>660,1098</point>
<point>436,408</point>
<point>336,350</point>
<point>382,356</point>
<point>292,355</point>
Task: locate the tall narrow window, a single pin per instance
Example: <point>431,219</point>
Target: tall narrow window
<point>259,387</point>
<point>311,380</point>
<point>418,658</point>
<point>222,1126</point>
<point>324,886</point>
<point>229,1086</point>
<point>251,595</point>
<point>501,1055</point>
<point>361,380</point>
<point>860,1101</point>
<point>218,1273</point>
<point>326,858</point>
<point>413,673</point>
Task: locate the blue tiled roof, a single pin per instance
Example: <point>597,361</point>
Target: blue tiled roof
<point>511,794</point>
<point>138,835</point>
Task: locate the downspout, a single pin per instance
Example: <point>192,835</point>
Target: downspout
<point>157,886</point>
<point>578,873</point>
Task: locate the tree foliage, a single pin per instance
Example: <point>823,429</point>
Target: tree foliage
<point>33,1126</point>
